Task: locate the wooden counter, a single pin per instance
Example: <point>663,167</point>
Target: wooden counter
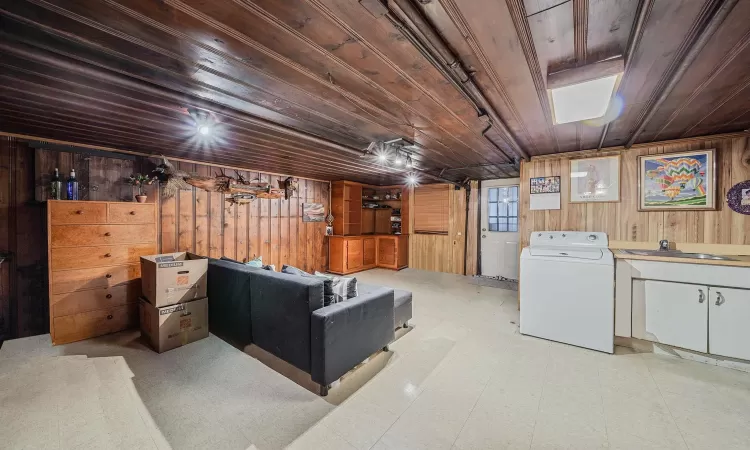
<point>349,254</point>
<point>738,261</point>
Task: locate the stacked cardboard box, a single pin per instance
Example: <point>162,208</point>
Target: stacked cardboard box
<point>174,306</point>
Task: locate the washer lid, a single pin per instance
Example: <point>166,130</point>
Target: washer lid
<point>591,254</point>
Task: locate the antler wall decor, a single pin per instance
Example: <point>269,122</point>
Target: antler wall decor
<point>237,189</point>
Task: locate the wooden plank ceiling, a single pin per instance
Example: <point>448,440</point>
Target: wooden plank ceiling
<point>302,87</point>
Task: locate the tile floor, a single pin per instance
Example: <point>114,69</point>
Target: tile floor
<point>463,378</point>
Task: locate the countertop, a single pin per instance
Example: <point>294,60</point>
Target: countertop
<point>739,261</point>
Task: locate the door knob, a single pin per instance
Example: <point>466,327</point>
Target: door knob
<point>484,236</point>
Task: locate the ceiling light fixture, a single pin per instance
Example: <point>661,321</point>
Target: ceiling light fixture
<point>398,160</point>
<point>584,93</point>
<point>409,162</point>
<point>412,179</point>
<point>204,130</point>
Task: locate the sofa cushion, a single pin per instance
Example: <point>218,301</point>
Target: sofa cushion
<point>228,289</point>
<point>329,296</point>
<point>344,288</point>
<point>401,302</point>
<point>224,258</point>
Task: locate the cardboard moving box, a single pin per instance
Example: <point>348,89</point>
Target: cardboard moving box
<point>174,326</point>
<point>173,278</point>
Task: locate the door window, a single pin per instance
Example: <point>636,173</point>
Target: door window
<point>502,209</point>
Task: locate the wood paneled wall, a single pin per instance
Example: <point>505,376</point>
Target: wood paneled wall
<point>622,221</point>
<point>192,221</point>
<point>441,253</point>
<point>204,223</point>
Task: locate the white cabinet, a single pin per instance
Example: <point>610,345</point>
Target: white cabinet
<point>729,322</point>
<point>671,313</point>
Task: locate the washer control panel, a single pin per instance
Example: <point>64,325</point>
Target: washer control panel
<point>569,239</point>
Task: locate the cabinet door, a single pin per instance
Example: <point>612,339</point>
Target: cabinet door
<point>353,254</point>
<point>383,221</point>
<point>369,250</point>
<point>671,313</point>
<point>387,252</point>
<point>729,322</point>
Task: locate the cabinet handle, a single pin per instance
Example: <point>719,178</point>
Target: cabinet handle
<point>109,275</point>
<point>109,295</point>
<point>108,233</point>
<point>719,299</point>
<point>79,212</point>
<point>701,296</point>
<point>109,317</point>
<point>108,255</point>
<point>132,213</point>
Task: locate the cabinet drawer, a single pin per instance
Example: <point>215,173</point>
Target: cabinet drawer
<point>76,235</point>
<point>97,277</point>
<point>64,212</point>
<point>89,324</point>
<point>83,257</point>
<point>94,299</point>
<point>131,213</point>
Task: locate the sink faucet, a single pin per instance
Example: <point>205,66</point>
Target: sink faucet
<point>663,245</point>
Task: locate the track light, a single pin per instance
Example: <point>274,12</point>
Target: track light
<point>409,162</point>
<point>398,160</point>
<point>412,179</point>
<point>382,157</point>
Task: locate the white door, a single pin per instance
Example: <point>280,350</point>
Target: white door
<point>671,313</point>
<point>499,231</point>
<point>729,322</point>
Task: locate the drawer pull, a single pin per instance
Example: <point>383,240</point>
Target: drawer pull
<point>79,212</point>
<point>719,299</point>
<point>108,255</point>
<point>109,317</point>
<point>109,275</point>
<point>108,233</point>
<point>109,295</point>
<point>701,297</point>
<point>132,213</point>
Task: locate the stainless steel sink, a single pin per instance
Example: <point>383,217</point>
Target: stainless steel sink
<point>677,254</point>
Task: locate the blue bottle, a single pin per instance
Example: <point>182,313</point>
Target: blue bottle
<point>72,186</point>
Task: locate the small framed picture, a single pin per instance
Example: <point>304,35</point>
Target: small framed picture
<point>595,179</point>
<point>545,185</point>
<point>677,181</point>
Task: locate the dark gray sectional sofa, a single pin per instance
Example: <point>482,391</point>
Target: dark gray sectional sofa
<point>284,315</point>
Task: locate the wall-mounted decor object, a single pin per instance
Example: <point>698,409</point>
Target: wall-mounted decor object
<point>237,190</point>
<point>738,197</point>
<point>545,193</point>
<point>677,181</point>
<point>313,212</point>
<point>595,179</point>
<point>545,185</point>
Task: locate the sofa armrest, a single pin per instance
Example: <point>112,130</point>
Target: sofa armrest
<point>345,334</point>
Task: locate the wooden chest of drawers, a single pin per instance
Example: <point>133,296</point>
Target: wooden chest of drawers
<point>94,265</point>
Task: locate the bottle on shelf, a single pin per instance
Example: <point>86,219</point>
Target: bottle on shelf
<point>72,186</point>
<point>55,186</point>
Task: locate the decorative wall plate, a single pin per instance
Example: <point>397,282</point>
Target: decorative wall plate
<point>738,197</point>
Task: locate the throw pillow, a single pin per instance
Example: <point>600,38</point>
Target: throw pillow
<point>257,262</point>
<point>344,288</point>
<point>329,297</point>
<point>270,267</point>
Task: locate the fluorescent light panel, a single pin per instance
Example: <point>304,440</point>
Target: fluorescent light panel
<point>583,101</point>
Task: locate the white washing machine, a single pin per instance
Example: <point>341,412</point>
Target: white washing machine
<point>567,289</point>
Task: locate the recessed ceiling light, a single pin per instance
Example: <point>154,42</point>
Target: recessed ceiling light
<point>204,130</point>
<point>582,101</point>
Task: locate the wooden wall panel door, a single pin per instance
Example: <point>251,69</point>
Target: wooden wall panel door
<point>354,255</point>
<point>431,208</point>
<point>383,221</point>
<point>369,251</point>
<point>368,221</point>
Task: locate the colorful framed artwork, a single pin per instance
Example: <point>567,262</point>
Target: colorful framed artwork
<point>313,212</point>
<point>677,181</point>
<point>595,179</point>
<point>545,185</point>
